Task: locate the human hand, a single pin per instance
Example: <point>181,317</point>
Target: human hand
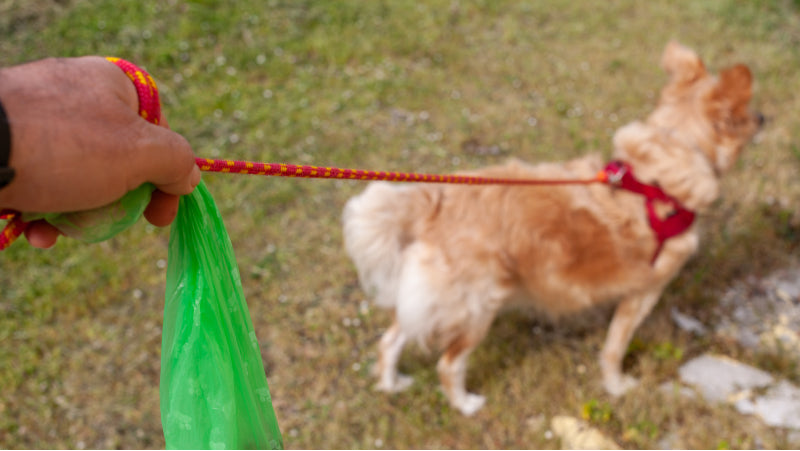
<point>78,143</point>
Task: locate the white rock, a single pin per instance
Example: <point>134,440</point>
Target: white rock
<point>779,406</point>
<point>721,378</point>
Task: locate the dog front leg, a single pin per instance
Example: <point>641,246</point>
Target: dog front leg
<point>627,317</point>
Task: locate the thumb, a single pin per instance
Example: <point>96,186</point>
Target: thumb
<point>165,159</point>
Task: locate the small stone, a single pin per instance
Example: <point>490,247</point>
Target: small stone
<point>687,323</point>
<point>576,434</point>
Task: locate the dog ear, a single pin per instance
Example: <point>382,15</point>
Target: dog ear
<point>735,85</point>
<point>682,64</point>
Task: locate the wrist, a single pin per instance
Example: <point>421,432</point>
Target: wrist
<point>21,88</point>
<point>6,172</point>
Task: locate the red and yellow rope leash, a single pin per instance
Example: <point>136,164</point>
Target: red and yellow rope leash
<point>13,229</point>
<point>150,110</point>
<point>16,226</point>
<point>322,172</point>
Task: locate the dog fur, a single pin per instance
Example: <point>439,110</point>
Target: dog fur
<point>447,258</point>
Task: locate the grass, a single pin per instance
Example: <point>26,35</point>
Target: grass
<point>433,86</point>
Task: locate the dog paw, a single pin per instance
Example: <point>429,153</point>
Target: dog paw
<point>618,386</point>
<point>470,404</point>
<point>400,383</point>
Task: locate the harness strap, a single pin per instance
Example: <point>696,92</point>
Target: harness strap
<point>620,174</point>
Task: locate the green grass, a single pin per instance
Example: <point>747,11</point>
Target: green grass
<point>405,85</point>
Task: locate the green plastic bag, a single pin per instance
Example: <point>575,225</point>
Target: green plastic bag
<point>102,223</point>
<point>214,392</point>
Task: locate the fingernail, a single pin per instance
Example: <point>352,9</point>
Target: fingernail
<point>195,177</point>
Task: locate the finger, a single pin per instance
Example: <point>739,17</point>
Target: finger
<point>196,173</point>
<point>166,160</point>
<point>125,90</point>
<point>41,234</point>
<point>162,208</point>
<point>162,121</point>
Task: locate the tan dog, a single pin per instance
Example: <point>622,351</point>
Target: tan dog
<point>447,258</point>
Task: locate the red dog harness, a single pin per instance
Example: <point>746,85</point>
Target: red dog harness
<point>620,174</point>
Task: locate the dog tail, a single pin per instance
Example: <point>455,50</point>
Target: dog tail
<point>378,226</point>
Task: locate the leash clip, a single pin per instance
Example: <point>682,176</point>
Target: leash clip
<point>615,171</point>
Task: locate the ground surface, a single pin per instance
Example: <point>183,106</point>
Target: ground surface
<point>428,86</point>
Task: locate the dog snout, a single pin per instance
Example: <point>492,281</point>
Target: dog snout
<point>760,119</point>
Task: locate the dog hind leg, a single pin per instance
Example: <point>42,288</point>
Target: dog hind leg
<point>452,369</point>
<point>391,346</point>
